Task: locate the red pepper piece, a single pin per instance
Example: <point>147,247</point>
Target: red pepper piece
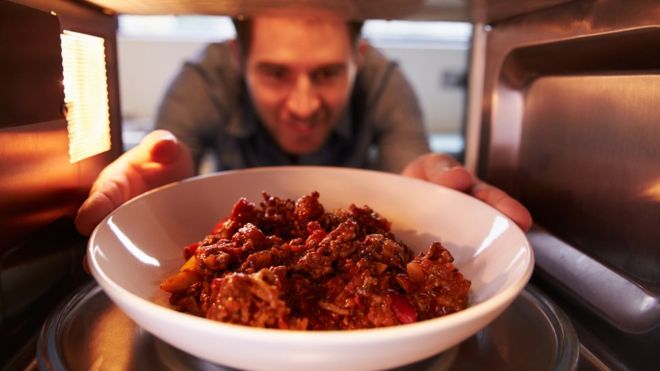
<point>403,310</point>
<point>189,250</point>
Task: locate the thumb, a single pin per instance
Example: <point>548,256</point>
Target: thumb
<point>107,197</point>
<point>440,169</point>
<point>161,146</point>
<point>159,159</point>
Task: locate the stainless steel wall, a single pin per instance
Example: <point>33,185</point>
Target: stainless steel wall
<point>569,116</point>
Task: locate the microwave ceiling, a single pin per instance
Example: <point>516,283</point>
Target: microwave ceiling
<point>475,11</point>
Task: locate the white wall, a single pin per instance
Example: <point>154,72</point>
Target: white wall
<point>146,67</point>
<point>443,106</point>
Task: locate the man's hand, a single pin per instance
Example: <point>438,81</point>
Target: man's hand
<point>445,170</point>
<point>159,159</point>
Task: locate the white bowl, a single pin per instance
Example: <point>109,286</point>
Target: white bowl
<point>140,243</point>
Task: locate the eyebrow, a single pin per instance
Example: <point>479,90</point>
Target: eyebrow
<point>270,65</point>
<point>275,65</point>
<point>331,66</point>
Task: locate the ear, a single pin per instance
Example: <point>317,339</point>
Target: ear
<point>360,51</point>
<point>236,54</point>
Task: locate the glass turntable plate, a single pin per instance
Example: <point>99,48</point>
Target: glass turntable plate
<point>88,332</point>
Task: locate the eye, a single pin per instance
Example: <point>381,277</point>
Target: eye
<point>277,73</point>
<point>274,73</point>
<point>327,74</point>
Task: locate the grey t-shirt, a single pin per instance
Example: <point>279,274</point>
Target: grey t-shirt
<point>207,106</point>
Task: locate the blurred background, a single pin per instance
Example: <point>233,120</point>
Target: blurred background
<point>151,49</point>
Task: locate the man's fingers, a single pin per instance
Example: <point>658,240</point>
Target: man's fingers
<point>99,204</point>
<point>440,169</point>
<point>457,178</point>
<point>167,160</point>
<point>158,159</point>
<point>504,203</point>
<point>161,146</point>
<point>85,264</point>
<point>446,171</point>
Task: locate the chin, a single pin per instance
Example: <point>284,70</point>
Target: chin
<point>301,150</point>
<point>303,146</point>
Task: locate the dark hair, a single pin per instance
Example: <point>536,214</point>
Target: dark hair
<point>243,28</point>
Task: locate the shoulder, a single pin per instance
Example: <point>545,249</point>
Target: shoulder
<point>376,74</point>
<point>214,54</point>
<point>216,64</point>
<point>375,66</point>
<point>214,72</point>
<point>385,91</point>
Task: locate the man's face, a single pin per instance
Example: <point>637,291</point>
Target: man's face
<point>300,73</point>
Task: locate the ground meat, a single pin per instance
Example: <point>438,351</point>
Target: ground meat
<point>292,265</point>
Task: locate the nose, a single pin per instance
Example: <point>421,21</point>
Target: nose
<point>303,100</point>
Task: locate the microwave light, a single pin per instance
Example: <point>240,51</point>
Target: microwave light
<point>652,192</point>
<point>85,95</point>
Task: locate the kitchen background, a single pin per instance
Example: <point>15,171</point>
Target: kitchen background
<point>433,55</point>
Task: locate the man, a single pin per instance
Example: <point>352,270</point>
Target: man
<point>292,90</point>
<point>288,91</point>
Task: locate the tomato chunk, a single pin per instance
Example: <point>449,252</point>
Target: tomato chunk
<point>403,310</point>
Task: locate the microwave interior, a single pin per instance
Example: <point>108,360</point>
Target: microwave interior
<point>560,110</point>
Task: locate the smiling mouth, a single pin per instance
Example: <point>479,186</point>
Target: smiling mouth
<point>302,127</point>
